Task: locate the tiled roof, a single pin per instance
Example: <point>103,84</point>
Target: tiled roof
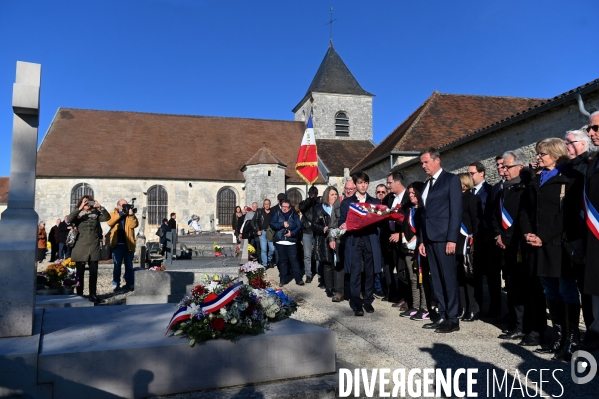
<point>264,156</point>
<point>339,154</point>
<point>333,76</point>
<point>143,145</point>
<point>444,118</point>
<point>4,189</point>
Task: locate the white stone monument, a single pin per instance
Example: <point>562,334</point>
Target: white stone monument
<point>18,226</point>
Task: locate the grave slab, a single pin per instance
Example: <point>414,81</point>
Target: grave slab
<point>121,351</point>
<point>18,364</point>
<point>61,301</point>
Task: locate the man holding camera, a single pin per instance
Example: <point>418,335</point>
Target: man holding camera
<point>122,241</point>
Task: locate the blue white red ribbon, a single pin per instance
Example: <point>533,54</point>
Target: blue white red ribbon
<point>591,215</point>
<point>357,209</point>
<point>468,240</point>
<point>506,219</point>
<point>411,222</point>
<point>220,301</point>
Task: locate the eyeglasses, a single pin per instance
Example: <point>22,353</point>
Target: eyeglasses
<point>594,127</point>
<point>571,142</point>
<point>350,189</point>
<point>285,207</point>
<point>541,154</point>
<point>381,192</point>
<point>508,167</point>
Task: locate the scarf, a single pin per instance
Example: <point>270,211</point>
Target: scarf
<point>548,174</point>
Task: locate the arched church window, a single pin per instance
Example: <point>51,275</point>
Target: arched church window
<point>341,124</point>
<point>79,191</point>
<point>157,204</point>
<point>295,196</point>
<point>225,206</point>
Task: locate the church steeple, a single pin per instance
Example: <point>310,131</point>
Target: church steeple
<point>342,109</point>
<point>334,77</point>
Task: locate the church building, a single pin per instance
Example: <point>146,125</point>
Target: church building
<point>227,161</point>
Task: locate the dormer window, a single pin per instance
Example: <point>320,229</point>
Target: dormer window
<point>341,124</point>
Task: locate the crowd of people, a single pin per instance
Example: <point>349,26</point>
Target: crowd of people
<point>534,235</point>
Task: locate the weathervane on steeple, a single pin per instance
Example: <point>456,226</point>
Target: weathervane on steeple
<point>331,23</point>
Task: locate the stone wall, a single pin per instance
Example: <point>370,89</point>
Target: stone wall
<point>357,108</point>
<point>259,185</point>
<point>520,135</point>
<point>53,196</point>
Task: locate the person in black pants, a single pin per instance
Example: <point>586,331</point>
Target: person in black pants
<point>441,219</point>
<point>472,214</point>
<point>361,247</point>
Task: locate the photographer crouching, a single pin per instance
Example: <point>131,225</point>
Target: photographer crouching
<point>122,241</point>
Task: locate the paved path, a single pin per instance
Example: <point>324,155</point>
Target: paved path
<point>385,340</point>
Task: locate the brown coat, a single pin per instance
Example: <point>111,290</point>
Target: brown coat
<point>42,240</point>
<point>130,224</point>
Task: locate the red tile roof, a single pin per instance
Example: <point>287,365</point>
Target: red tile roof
<point>4,189</point>
<point>444,118</point>
<point>264,156</point>
<point>144,145</point>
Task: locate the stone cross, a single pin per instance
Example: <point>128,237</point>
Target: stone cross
<point>19,223</point>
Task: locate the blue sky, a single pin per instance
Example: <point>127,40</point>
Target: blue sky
<point>256,58</point>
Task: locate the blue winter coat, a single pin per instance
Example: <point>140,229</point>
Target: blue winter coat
<point>276,223</point>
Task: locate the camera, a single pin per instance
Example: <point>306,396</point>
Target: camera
<point>131,206</point>
<point>90,203</point>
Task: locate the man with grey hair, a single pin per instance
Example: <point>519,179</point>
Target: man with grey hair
<point>591,272</point>
<point>578,145</point>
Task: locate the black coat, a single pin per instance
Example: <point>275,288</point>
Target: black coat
<point>386,226</point>
<point>306,207</point>
<point>591,277</point>
<point>63,231</point>
<point>322,250</point>
<point>542,215</point>
<point>472,213</point>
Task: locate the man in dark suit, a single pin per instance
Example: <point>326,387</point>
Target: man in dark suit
<point>393,255</point>
<point>591,339</point>
<point>361,246</point>
<point>441,220</point>
<point>481,187</point>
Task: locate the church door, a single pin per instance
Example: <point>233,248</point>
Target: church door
<point>225,206</point>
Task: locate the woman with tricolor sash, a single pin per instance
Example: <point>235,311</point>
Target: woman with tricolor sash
<point>472,216</point>
<point>417,267</point>
<point>550,218</point>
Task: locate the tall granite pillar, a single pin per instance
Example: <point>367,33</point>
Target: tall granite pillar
<point>18,226</point>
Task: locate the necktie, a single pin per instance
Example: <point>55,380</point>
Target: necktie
<point>473,191</point>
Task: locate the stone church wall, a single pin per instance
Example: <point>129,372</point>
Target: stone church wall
<point>357,108</point>
<point>53,196</point>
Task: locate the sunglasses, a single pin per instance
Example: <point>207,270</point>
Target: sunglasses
<point>594,127</point>
<point>381,192</point>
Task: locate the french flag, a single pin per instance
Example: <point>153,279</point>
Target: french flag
<point>307,158</point>
<point>180,315</point>
<point>506,219</point>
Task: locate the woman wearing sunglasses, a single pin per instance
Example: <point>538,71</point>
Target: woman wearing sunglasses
<point>550,219</point>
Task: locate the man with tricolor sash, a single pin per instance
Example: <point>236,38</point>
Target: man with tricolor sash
<point>591,206</point>
<point>526,301</point>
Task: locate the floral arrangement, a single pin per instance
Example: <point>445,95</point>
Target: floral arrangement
<point>237,249</point>
<point>218,249</point>
<point>61,272</point>
<point>336,233</point>
<point>225,307</point>
<point>157,268</point>
<point>251,249</point>
<point>255,274</point>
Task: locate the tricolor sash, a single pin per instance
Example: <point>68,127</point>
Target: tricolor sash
<point>356,209</point>
<point>506,219</point>
<point>468,240</point>
<point>411,222</point>
<point>591,215</point>
<point>211,306</point>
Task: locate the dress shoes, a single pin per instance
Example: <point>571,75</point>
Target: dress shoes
<point>513,335</point>
<point>379,294</point>
<point>531,339</point>
<point>448,327</point>
<point>337,298</point>
<point>462,313</point>
<point>385,299</point>
<point>368,308</point>
<point>359,312</point>
<point>300,282</point>
<point>95,299</point>
<point>399,304</point>
<point>309,280</point>
<point>471,317</point>
<point>434,325</point>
